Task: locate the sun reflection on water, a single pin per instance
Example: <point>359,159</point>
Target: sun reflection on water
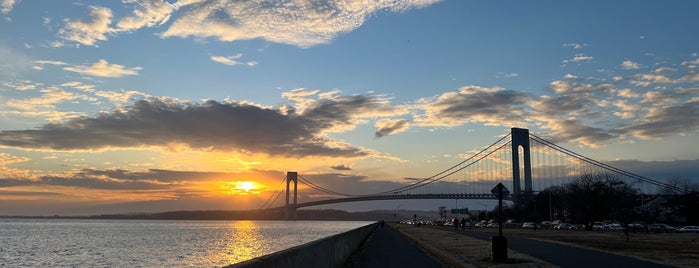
<point>245,241</point>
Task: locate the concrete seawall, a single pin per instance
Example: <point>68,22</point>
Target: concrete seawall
<point>332,251</point>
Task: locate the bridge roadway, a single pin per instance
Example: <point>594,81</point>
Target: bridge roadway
<point>395,197</point>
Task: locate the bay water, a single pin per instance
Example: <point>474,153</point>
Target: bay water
<point>152,243</point>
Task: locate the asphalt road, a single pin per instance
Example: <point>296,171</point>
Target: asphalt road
<point>566,256</point>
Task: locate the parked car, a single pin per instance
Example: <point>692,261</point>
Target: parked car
<point>689,229</point>
<point>530,225</point>
<point>616,227</point>
<point>636,227</point>
<point>661,228</point>
<point>600,226</point>
<point>565,226</point>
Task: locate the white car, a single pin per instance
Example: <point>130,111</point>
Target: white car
<point>689,229</point>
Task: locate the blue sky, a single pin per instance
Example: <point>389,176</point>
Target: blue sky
<point>113,106</point>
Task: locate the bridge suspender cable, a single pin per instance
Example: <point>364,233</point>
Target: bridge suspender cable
<point>278,192</point>
<point>423,182</point>
<point>602,165</point>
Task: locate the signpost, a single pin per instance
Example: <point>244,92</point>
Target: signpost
<point>499,243</point>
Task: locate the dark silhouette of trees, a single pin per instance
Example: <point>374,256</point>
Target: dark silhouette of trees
<point>599,196</point>
<point>604,196</point>
<point>682,200</point>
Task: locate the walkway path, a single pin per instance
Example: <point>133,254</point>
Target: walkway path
<point>387,248</point>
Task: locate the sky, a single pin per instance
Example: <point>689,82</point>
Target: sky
<point>152,105</point>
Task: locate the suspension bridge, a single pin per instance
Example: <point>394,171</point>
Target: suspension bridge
<point>525,163</point>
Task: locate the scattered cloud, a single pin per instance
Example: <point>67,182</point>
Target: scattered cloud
<point>45,105</point>
<point>89,32</point>
<point>473,104</point>
<point>301,24</point>
<point>232,60</point>
<point>506,75</point>
<point>630,65</point>
<point>296,23</point>
<point>147,13</point>
<point>40,64</point>
<point>658,76</point>
<point>341,167</point>
<point>227,60</point>
<point>668,120</point>
<point>574,45</point>
<point>211,126</point>
<point>389,127</point>
<point>102,68</point>
<point>578,58</point>
<point>7,5</point>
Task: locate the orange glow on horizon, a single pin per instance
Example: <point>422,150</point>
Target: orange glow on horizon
<point>241,187</point>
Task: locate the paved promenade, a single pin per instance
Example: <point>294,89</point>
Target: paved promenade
<point>387,248</point>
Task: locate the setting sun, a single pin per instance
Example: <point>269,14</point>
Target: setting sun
<point>241,187</point>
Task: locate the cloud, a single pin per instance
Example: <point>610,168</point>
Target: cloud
<point>45,105</point>
<point>7,5</point>
<point>630,65</point>
<point>579,58</point>
<point>506,75</point>
<point>571,130</point>
<point>232,60</point>
<point>102,68</point>
<point>491,106</point>
<point>658,76</point>
<point>40,64</point>
<point>389,127</point>
<point>299,23</point>
<point>667,121</point>
<point>574,45</point>
<point>121,98</point>
<point>303,23</point>
<point>89,32</point>
<point>148,13</point>
<point>210,126</point>
<point>341,167</point>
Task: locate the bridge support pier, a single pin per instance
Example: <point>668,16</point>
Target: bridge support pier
<point>520,137</point>
<point>290,211</point>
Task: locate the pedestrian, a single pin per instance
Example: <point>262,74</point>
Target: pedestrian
<point>456,223</point>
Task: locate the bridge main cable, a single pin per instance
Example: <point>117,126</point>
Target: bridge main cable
<point>439,176</point>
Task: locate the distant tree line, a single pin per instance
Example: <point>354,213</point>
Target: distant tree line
<point>601,196</point>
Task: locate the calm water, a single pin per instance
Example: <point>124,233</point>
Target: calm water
<point>133,243</point>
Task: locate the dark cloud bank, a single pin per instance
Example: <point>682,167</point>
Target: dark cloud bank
<point>211,125</point>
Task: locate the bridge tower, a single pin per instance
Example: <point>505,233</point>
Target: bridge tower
<point>291,176</point>
<point>520,137</point>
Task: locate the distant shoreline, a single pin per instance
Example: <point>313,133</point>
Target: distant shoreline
<point>321,214</point>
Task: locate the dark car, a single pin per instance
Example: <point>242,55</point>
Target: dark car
<point>565,226</point>
<point>661,228</point>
